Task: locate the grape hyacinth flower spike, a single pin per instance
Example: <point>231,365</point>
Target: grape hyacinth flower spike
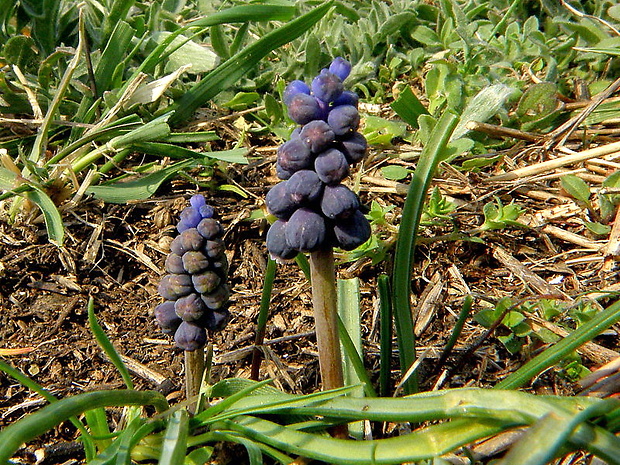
<point>315,211</point>
<point>195,290</point>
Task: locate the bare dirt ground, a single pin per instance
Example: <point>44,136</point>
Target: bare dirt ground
<point>115,253</point>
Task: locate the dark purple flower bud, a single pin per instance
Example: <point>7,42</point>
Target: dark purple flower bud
<point>197,201</point>
<point>194,261</point>
<point>206,282</point>
<point>220,265</point>
<point>340,67</point>
<point>352,232</point>
<point>317,135</point>
<point>331,166</point>
<point>174,264</point>
<point>339,201</point>
<point>190,239</point>
<point>215,320</point>
<point>206,211</point>
<point>305,230</point>
<point>189,308</point>
<point>294,155</point>
<point>173,286</point>
<point>210,228</point>
<point>280,202</point>
<point>304,108</point>
<point>343,119</point>
<point>354,147</point>
<point>276,242</point>
<point>190,217</point>
<point>282,173</point>
<point>295,132</point>
<point>166,317</point>
<point>347,98</point>
<point>304,187</point>
<point>217,299</point>
<point>189,336</point>
<point>295,87</point>
<point>215,248</point>
<point>327,86</point>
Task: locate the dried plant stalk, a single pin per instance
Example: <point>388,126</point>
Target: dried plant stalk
<point>194,369</point>
<point>324,301</point>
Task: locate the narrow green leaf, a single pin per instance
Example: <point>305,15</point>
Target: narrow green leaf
<point>238,65</point>
<point>174,446</point>
<point>105,343</point>
<point>174,151</point>
<point>405,245</point>
<point>35,424</point>
<point>385,316</point>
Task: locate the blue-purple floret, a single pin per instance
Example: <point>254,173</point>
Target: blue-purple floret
<point>313,208</point>
<point>194,288</point>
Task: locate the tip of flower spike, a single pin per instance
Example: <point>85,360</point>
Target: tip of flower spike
<point>198,201</point>
<point>340,67</point>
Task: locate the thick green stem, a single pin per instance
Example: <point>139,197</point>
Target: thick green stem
<point>324,300</point>
<point>194,369</point>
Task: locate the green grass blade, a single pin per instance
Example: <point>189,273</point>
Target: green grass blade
<point>89,443</point>
<point>550,434</point>
<point>174,446</point>
<point>263,315</point>
<point>140,189</point>
<point>53,220</point>
<point>405,245</point>
<point>106,345</point>
<point>385,350</point>
<point>419,445</point>
<point>98,424</point>
<point>409,107</point>
<point>35,424</point>
<point>456,330</point>
<point>598,441</point>
<point>226,74</point>
<point>349,330</point>
<point>585,333</point>
<point>174,151</point>
<point>40,144</point>
<point>520,408</point>
<point>113,54</point>
<point>243,13</point>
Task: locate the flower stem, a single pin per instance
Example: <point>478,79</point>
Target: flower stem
<point>194,369</point>
<point>324,301</point>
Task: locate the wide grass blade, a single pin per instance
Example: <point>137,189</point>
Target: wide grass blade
<point>35,424</point>
<point>226,74</point>
<point>53,220</point>
<point>405,245</point>
<point>585,333</point>
<point>174,446</point>
<point>419,445</point>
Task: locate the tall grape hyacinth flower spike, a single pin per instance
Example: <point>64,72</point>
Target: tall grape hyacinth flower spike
<point>315,211</point>
<point>195,290</point>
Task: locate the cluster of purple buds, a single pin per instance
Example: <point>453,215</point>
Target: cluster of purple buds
<point>194,288</point>
<point>312,207</point>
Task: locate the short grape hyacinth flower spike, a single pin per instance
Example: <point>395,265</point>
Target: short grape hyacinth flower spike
<point>195,287</point>
<point>313,209</point>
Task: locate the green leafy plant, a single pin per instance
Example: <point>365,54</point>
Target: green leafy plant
<point>109,108</point>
